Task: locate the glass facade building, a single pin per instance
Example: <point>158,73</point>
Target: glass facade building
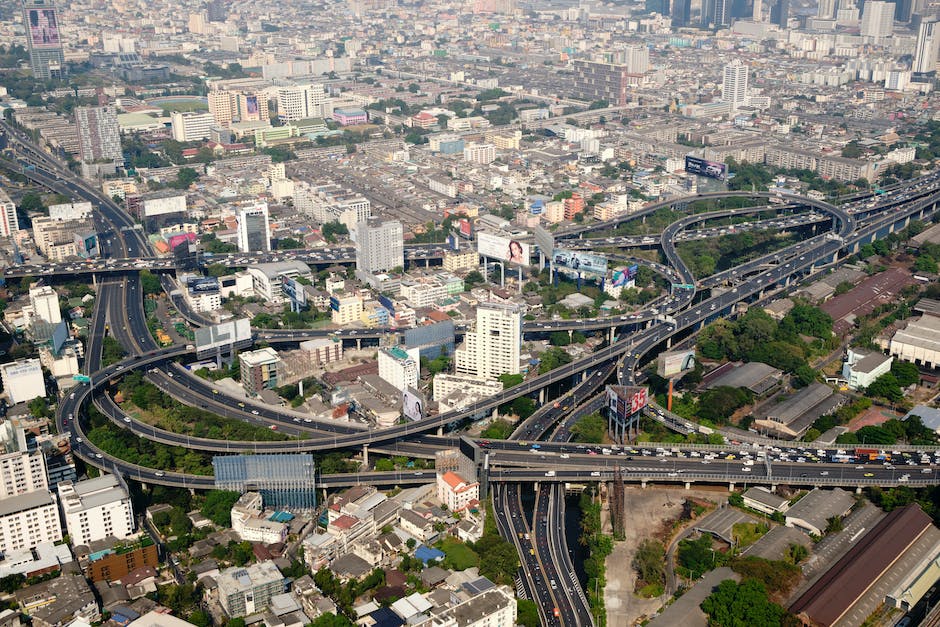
<point>285,481</point>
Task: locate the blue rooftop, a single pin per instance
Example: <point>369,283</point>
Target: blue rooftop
<point>427,554</point>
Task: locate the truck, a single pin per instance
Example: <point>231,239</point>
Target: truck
<point>866,454</point>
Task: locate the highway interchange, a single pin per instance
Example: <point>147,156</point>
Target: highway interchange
<point>120,306</point>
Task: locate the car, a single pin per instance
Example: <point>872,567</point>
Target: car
<point>127,419</point>
<point>254,411</point>
<point>869,474</point>
<point>99,455</point>
<point>215,391</point>
<point>241,404</point>
<point>79,440</point>
<point>595,473</point>
<point>273,427</point>
<point>565,456</point>
<point>418,474</point>
<point>824,473</point>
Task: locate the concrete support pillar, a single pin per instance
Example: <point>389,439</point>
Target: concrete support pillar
<point>773,487</point>
<point>358,345</point>
<point>669,342</point>
<point>427,263</point>
<point>570,334</point>
<point>731,486</point>
<point>440,431</point>
<point>610,339</point>
<point>688,485</point>
<point>542,396</point>
<point>365,455</point>
<point>858,490</point>
<point>495,413</point>
<point>643,484</point>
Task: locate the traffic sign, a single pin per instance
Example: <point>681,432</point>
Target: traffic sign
<point>81,378</point>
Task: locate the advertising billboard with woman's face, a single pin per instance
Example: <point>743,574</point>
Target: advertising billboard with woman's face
<point>504,248</point>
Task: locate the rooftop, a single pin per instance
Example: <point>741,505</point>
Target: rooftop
<point>24,502</point>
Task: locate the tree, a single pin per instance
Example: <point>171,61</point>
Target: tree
<point>746,603</point>
<point>218,506</point>
<point>497,430</point>
<point>649,561</point>
<point>332,229</point>
<point>886,386</point>
<point>150,283</point>
<point>553,358</point>
<point>834,524</point>
<point>590,429</point>
<point>184,178</point>
<point>527,613</point>
<point>473,278</point>
<point>905,372</point>
<point>796,553</point>
<point>330,620</point>
<point>31,202</point>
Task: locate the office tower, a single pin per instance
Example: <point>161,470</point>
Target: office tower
<point>657,6</point>
<point>191,126</point>
<point>260,370</point>
<point>9,223</point>
<point>254,233</point>
<point>45,304</point>
<point>826,9</point>
<point>379,246</point>
<point>716,13</point>
<point>216,11</point>
<point>758,12</point>
<point>780,13</point>
<point>235,106</point>
<point>925,51</point>
<point>681,13</point>
<point>734,85</point>
<point>99,136</point>
<point>95,509</point>
<point>903,10</point>
<point>43,39</point>
<point>299,102</point>
<point>596,80</point>
<point>399,366</point>
<point>878,19</point>
<point>741,9</point>
<point>493,347</point>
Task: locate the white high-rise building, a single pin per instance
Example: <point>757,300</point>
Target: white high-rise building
<point>493,347</point>
<point>23,380</point>
<point>191,126</point>
<point>8,220</point>
<point>637,59</point>
<point>45,304</point>
<point>95,509</point>
<point>925,51</point>
<point>27,520</point>
<point>826,9</point>
<point>379,245</point>
<point>21,470</point>
<point>298,102</point>
<point>878,19</point>
<point>254,232</point>
<point>400,367</point>
<point>734,85</point>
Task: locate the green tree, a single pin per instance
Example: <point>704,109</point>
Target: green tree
<point>590,429</point>
<point>834,524</point>
<point>527,613</point>
<point>499,429</point>
<point>150,283</point>
<point>649,561</point>
<point>905,372</point>
<point>553,358</point>
<point>738,604</point>
<point>217,506</point>
<point>330,620</point>
<point>473,278</point>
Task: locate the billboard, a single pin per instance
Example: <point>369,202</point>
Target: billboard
<point>386,302</point>
<point>465,228</point>
<point>232,333</point>
<point>294,291</point>
<point>544,240</point>
<point>453,242</point>
<point>412,404</point>
<point>86,244</point>
<point>43,28</point>
<point>701,167</point>
<point>579,261</point>
<point>201,285</point>
<point>675,362</point>
<point>626,400</point>
<point>251,105</point>
<point>622,277</point>
<point>504,248</point>
<point>163,205</point>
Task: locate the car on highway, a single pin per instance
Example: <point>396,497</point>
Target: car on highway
<point>869,474</point>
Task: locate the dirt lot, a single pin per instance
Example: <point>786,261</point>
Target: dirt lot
<point>872,416</point>
<point>646,511</point>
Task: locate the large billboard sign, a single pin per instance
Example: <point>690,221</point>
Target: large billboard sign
<point>294,291</point>
<point>251,105</point>
<point>544,240</point>
<point>413,404</point>
<point>626,400</point>
<point>503,248</point>
<point>465,228</point>
<point>675,362</point>
<point>232,333</point>
<point>43,28</point>
<point>579,261</point>
<point>201,285</point>
<point>701,167</point>
<point>623,277</point>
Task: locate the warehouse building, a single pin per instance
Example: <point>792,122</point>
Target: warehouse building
<point>918,342</point>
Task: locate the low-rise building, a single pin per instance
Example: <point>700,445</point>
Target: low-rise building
<point>250,524</point>
<point>111,559</point>
<point>59,602</point>
<point>763,500</point>
<point>456,492</point>
<point>23,380</point>
<point>245,590</point>
<point>861,368</point>
<point>812,512</point>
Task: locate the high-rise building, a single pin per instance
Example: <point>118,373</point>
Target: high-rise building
<point>216,11</point>
<point>236,106</point>
<point>716,13</point>
<point>23,380</point>
<point>400,367</point>
<point>681,13</point>
<point>379,246</point>
<point>254,232</point>
<point>878,19</point>
<point>903,10</point>
<point>21,469</point>
<point>43,39</point>
<point>299,102</point>
<point>636,58</point>
<point>9,223</point>
<point>925,51</point>
<point>493,347</point>
<point>598,80</point>
<point>190,126</point>
<point>734,85</point>
<point>27,520</point>
<point>45,304</point>
<point>757,13</point>
<point>827,9</point>
<point>99,136</point>
<point>95,509</point>
<point>780,13</point>
<point>657,6</point>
